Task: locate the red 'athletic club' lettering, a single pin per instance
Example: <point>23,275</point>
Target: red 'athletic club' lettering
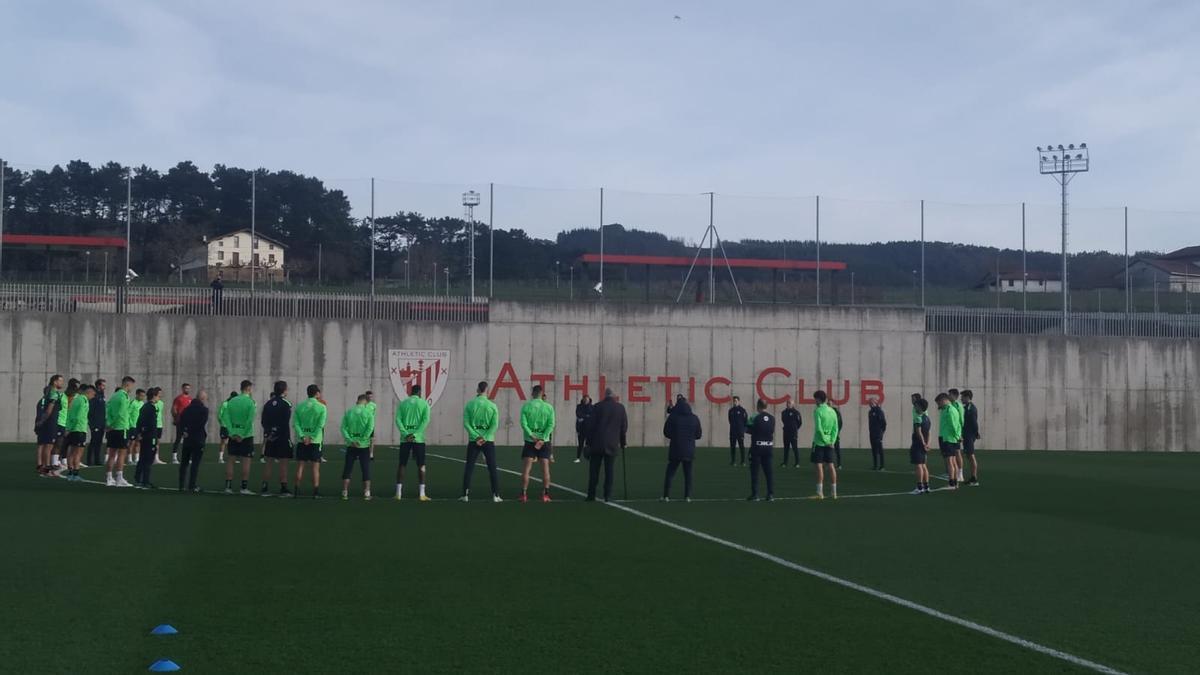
<point>771,384</point>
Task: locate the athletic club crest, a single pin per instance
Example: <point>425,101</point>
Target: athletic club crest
<point>429,368</point>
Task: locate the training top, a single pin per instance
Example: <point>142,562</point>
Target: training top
<point>950,424</point>
<point>145,418</point>
<point>158,410</point>
<point>276,418</point>
<point>921,433</point>
<point>77,415</point>
<point>223,414</point>
<point>825,426</point>
<point>308,421</point>
<point>239,416</point>
<point>959,407</point>
<point>791,420</point>
<point>537,420</point>
<point>117,411</point>
<point>917,415</point>
<point>135,412</point>
<point>358,424</point>
<point>762,430</point>
<point>63,404</point>
<point>971,421</point>
<point>480,419</point>
<point>181,401</point>
<point>737,421</point>
<point>412,418</point>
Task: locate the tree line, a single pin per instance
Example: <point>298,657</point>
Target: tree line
<point>173,210</point>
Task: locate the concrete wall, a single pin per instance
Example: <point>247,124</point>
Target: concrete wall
<point>1042,392</point>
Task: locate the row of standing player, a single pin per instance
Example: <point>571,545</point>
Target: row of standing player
<point>958,433</point>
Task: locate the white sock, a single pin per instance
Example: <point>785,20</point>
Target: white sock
<point>399,490</point>
<point>820,489</point>
<point>366,493</point>
<point>421,489</point>
<point>54,459</point>
<point>835,489</point>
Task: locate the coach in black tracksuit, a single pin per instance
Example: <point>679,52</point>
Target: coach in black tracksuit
<point>876,427</point>
<point>737,431</point>
<point>583,413</point>
<point>837,445</point>
<point>193,425</point>
<point>96,422</point>
<point>606,431</point>
<point>791,432</point>
<point>762,450</point>
<point>683,428</point>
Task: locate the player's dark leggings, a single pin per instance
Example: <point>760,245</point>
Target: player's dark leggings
<point>790,442</point>
<point>489,455</point>
<point>178,439</point>
<point>149,452</point>
<point>595,461</point>
<point>95,448</point>
<point>877,453</point>
<point>189,464</point>
<point>762,459</point>
<point>672,466</point>
<point>837,453</point>
<point>582,441</point>
<point>363,457</point>
<point>737,441</point>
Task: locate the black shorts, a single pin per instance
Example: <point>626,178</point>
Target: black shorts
<point>310,452</point>
<point>280,448</point>
<point>968,445</point>
<point>47,434</point>
<point>117,440</point>
<point>529,451</point>
<point>413,449</point>
<point>822,454</point>
<point>948,449</point>
<point>157,433</point>
<point>242,448</point>
<point>224,433</point>
<point>77,438</point>
<point>917,455</point>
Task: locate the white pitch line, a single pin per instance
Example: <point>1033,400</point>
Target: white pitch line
<point>881,595</point>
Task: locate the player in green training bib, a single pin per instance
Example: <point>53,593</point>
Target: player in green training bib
<point>412,419</point>
<point>537,425</point>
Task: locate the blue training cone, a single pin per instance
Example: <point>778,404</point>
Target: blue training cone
<point>164,666</point>
<point>164,629</point>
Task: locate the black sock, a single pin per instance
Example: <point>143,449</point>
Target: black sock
<point>265,486</point>
<point>228,484</point>
<point>245,484</point>
<point>283,486</point>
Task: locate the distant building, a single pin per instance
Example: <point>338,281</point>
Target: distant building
<point>1174,272</point>
<point>1035,282</point>
<point>232,254</point>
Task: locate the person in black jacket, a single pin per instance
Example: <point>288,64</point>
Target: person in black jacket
<point>146,429</point>
<point>970,434</point>
<point>96,422</point>
<point>606,438</point>
<point>683,428</point>
<point>277,438</point>
<point>737,431</point>
<point>583,413</point>
<point>791,432</point>
<point>193,424</point>
<point>837,445</point>
<point>876,427</point>
<point>762,448</point>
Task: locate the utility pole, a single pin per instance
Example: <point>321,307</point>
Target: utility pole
<point>1063,163</point>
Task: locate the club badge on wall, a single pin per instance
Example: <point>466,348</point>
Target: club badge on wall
<point>429,368</point>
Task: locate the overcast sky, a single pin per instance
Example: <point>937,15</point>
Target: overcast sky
<point>873,105</point>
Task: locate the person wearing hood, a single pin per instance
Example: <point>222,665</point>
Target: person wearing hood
<point>683,429</point>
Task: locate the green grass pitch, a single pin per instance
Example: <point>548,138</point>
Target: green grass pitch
<point>1096,555</point>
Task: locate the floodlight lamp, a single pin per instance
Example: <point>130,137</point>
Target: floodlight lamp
<point>1071,146</point>
<point>1060,147</point>
<point>1043,158</point>
<point>1040,149</point>
<point>1083,146</point>
<point>1079,156</point>
<point>1054,157</point>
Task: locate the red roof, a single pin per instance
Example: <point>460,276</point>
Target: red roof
<point>63,240</point>
<point>686,261</point>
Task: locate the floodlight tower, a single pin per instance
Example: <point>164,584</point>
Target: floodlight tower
<point>1063,163</point>
<point>470,200</point>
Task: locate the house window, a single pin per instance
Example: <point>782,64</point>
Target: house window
<point>271,259</point>
<point>220,255</point>
<point>255,260</point>
<point>237,258</point>
<point>220,242</point>
<point>236,240</point>
<point>1011,283</point>
<point>256,242</point>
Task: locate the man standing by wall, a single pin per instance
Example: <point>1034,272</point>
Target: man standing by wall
<point>762,447</point>
<point>183,400</point>
<point>193,422</point>
<point>358,428</point>
<point>117,413</point>
<point>481,419</point>
<point>537,425</point>
<point>825,433</point>
<point>96,423</point>
<point>737,432</point>
<point>606,437</point>
<point>970,434</point>
<point>308,421</point>
<point>277,438</point>
<point>683,428</point>
<point>949,437</point>
<point>876,427</point>
<point>791,432</point>
<point>958,407</point>
<point>583,412</point>
<point>239,418</point>
<point>412,419</point>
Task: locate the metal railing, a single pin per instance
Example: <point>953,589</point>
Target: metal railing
<point>203,301</point>
<point>1083,324</point>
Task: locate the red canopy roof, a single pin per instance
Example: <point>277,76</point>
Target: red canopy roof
<point>686,261</point>
<point>63,240</point>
